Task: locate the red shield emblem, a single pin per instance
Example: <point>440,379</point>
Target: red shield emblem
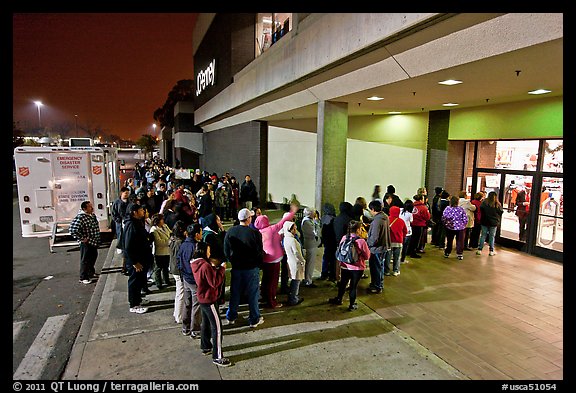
<point>24,171</point>
<point>97,169</point>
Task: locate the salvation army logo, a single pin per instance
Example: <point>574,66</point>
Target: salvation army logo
<point>97,169</point>
<point>24,171</point>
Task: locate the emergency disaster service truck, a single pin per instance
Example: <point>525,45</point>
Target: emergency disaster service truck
<point>53,182</point>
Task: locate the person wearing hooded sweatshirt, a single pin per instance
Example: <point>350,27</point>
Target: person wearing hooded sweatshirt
<point>398,232</point>
<point>295,261</point>
<point>341,227</point>
<point>213,233</point>
<point>209,275</point>
<point>311,240</point>
<point>329,241</point>
<point>380,244</point>
<point>191,317</point>
<point>273,253</point>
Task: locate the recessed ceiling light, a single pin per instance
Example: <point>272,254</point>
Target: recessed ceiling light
<point>375,98</point>
<point>449,82</point>
<point>394,113</point>
<point>449,104</point>
<point>539,91</point>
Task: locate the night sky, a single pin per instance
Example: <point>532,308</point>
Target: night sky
<point>112,70</point>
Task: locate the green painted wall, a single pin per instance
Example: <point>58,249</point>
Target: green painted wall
<point>404,130</point>
<point>535,118</point>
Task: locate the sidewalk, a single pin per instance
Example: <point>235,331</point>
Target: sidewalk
<point>313,341</point>
<point>483,318</point>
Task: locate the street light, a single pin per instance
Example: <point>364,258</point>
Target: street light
<point>39,105</point>
<point>154,127</point>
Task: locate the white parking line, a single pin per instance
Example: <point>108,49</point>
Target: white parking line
<point>16,328</point>
<point>39,352</point>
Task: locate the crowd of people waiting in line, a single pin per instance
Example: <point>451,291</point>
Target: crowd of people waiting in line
<point>169,227</point>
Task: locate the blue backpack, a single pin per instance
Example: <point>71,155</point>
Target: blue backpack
<point>347,251</point>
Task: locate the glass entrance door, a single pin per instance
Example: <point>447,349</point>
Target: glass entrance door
<point>550,229</point>
<point>516,198</point>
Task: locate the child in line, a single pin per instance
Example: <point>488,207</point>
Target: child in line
<point>209,277</point>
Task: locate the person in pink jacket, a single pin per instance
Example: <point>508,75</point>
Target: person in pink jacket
<point>352,272</point>
<point>273,254</point>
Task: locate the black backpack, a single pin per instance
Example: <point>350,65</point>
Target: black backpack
<point>347,250</point>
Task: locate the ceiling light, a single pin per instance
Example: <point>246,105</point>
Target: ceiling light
<point>394,113</point>
<point>539,91</point>
<point>449,82</point>
<point>375,98</point>
<point>449,104</point>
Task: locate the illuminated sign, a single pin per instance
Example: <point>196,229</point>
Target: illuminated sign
<point>206,78</point>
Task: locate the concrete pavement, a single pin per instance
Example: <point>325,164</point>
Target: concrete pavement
<point>312,341</point>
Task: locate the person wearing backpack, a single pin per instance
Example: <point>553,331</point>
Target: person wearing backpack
<point>352,254</point>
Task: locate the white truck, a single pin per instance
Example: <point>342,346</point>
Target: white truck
<point>53,181</point>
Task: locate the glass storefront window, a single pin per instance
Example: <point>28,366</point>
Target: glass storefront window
<point>554,156</point>
<point>521,155</point>
<point>551,213</point>
<point>516,204</point>
<point>270,27</point>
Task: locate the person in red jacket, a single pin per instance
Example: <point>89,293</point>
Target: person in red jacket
<point>421,215</point>
<point>398,232</point>
<point>209,277</point>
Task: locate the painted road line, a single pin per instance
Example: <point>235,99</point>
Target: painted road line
<point>16,329</point>
<point>38,354</point>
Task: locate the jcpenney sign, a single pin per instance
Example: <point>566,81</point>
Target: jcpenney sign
<point>206,78</point>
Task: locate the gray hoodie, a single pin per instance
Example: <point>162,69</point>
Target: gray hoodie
<point>379,234</point>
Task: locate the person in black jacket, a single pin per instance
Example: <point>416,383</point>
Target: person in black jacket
<point>248,193</point>
<point>330,243</point>
<point>491,215</point>
<point>139,257</point>
<point>213,233</point>
<point>244,249</point>
<point>119,210</point>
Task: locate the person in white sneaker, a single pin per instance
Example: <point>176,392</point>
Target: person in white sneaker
<point>138,252</point>
<point>85,229</point>
<point>490,215</point>
<point>209,276</point>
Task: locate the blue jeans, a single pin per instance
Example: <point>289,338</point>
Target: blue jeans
<point>394,254</point>
<point>491,233</point>
<point>248,282</point>
<point>376,264</point>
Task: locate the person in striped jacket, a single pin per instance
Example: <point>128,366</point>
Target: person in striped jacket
<point>84,228</point>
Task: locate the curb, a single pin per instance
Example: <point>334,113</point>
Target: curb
<point>75,360</point>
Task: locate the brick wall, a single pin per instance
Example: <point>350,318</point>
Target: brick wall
<point>241,150</point>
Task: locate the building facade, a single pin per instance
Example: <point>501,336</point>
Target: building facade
<point>326,106</point>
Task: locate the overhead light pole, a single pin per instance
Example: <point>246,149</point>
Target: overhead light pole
<point>39,105</point>
<point>76,124</point>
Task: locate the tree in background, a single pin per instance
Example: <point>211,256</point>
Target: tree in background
<point>147,143</point>
<point>182,91</point>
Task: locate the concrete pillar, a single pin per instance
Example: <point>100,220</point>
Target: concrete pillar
<point>332,131</point>
<point>437,151</point>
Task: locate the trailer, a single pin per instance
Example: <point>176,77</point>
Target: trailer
<point>52,183</point>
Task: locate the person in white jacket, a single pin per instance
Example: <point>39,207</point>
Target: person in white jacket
<point>470,208</point>
<point>295,261</point>
<point>161,234</point>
